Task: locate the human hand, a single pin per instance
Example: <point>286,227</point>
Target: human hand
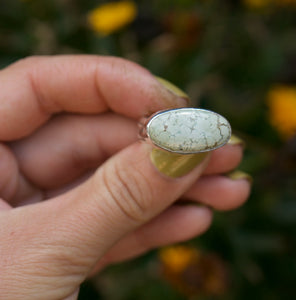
<point>68,127</point>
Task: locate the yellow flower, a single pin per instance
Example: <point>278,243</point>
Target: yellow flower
<point>192,272</point>
<point>257,4</point>
<point>110,17</point>
<point>177,258</point>
<point>282,109</point>
<point>286,2</point>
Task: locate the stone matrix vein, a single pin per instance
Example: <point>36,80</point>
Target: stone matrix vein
<point>188,130</point>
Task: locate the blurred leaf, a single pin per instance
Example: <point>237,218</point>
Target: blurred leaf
<point>227,56</point>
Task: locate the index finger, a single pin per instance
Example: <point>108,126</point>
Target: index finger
<point>35,88</point>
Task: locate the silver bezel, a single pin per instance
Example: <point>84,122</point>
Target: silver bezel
<point>155,115</point>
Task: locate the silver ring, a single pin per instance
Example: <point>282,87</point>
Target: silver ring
<point>186,130</point>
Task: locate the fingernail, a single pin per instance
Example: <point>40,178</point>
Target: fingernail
<point>174,164</point>
<point>237,175</point>
<point>172,88</point>
<point>235,140</point>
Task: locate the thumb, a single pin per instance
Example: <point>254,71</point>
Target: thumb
<point>56,243</point>
<point>127,191</point>
<point>132,188</point>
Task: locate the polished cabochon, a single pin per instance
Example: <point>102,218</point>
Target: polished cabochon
<point>188,130</point>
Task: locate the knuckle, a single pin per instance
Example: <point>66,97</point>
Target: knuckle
<point>129,189</point>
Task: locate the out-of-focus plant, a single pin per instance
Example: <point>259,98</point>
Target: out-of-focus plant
<point>235,57</point>
<point>110,17</point>
<point>257,4</point>
<point>193,272</point>
<point>282,109</point>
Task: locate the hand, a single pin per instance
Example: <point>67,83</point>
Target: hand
<point>68,127</point>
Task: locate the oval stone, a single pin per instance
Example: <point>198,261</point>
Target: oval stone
<point>188,130</point>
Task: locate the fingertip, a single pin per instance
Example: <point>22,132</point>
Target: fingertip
<point>239,195</point>
<point>194,220</point>
<point>179,223</point>
<point>225,159</point>
<point>220,192</point>
<point>187,221</point>
<point>204,215</point>
<point>234,193</point>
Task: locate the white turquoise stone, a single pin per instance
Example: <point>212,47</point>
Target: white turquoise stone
<point>188,130</point>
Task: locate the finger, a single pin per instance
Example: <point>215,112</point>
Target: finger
<point>77,84</point>
<point>4,205</point>
<point>219,192</point>
<point>68,146</point>
<point>224,159</point>
<point>73,296</point>
<point>9,173</point>
<point>178,223</point>
<point>56,243</point>
<point>13,186</point>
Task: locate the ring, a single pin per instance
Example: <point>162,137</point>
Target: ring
<point>187,130</point>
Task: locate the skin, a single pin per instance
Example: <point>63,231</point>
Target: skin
<point>70,149</point>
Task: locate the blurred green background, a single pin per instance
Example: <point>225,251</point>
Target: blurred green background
<point>236,57</point>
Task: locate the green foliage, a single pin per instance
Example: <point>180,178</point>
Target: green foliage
<point>226,55</point>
